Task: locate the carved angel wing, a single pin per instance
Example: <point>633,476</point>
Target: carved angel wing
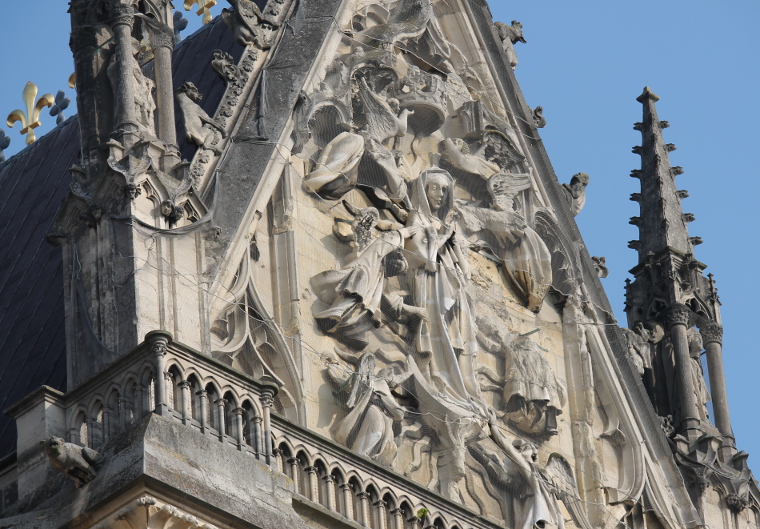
<point>560,476</point>
<point>382,123</point>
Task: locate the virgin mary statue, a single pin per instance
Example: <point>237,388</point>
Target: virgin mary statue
<point>445,342</point>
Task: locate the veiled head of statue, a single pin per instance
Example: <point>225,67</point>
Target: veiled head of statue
<point>433,193</point>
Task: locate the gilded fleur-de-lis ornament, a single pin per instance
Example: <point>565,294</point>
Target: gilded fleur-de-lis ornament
<point>30,119</point>
<point>61,103</point>
<point>204,8</point>
<point>5,141</point>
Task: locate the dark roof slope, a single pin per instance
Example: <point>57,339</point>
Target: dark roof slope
<point>32,185</point>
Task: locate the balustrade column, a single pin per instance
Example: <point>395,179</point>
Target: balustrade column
<point>124,417</point>
<point>203,398</point>
<point>712,339</point>
<point>313,479</point>
<point>381,510</point>
<point>398,518</point>
<point>239,434</point>
<point>293,462</point>
<point>329,492</point>
<point>348,499</point>
<point>220,419</point>
<point>278,460</point>
<point>678,320</point>
<point>184,388</point>
<point>159,345</point>
<point>257,440</point>
<point>268,392</point>
<point>364,502</point>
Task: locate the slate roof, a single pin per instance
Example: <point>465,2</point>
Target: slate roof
<point>32,185</point>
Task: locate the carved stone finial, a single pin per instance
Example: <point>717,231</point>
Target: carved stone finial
<point>647,94</point>
<point>61,103</point>
<point>678,315</point>
<point>224,65</point>
<point>5,141</point>
<point>600,264</point>
<point>510,35</point>
<point>30,119</point>
<point>576,192</point>
<point>77,462</point>
<point>180,24</point>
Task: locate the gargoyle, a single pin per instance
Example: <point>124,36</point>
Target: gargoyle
<point>576,192</point>
<point>510,35</point>
<point>200,128</point>
<point>77,462</point>
<point>249,26</point>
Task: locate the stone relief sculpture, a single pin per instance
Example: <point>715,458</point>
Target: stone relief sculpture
<point>354,295</point>
<point>445,343</point>
<point>145,105</point>
<point>576,192</point>
<point>535,491</point>
<point>533,395</point>
<point>200,128</point>
<point>247,23</point>
<point>372,131</point>
<point>510,35</point>
<point>77,462</point>
<point>368,427</point>
<point>639,341</point>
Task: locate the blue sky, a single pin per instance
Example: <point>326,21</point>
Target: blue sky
<point>585,63</point>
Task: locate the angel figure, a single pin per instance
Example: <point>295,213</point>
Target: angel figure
<point>367,429</point>
<point>523,254</point>
<point>200,128</point>
<point>536,491</point>
<point>697,374</point>
<point>354,295</point>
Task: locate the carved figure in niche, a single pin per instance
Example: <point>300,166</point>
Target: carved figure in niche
<point>445,343</point>
<point>639,341</point>
<point>77,462</point>
<point>144,103</point>
<point>523,254</point>
<point>368,427</point>
<point>200,128</point>
<point>535,491</point>
<point>510,35</point>
<point>248,25</point>
<point>697,374</point>
<point>576,192</point>
<point>354,294</point>
<point>533,395</point>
